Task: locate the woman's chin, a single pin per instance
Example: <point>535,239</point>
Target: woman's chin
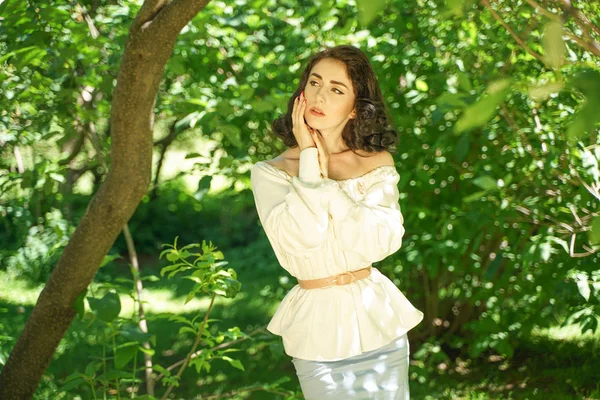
<point>313,122</point>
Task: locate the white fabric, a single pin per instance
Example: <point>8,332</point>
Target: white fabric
<point>320,227</point>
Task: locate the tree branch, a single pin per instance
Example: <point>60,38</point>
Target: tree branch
<point>580,18</point>
<point>593,46</point>
<point>149,10</point>
<point>171,19</point>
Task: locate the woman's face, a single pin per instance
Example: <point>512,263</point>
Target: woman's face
<point>329,89</point>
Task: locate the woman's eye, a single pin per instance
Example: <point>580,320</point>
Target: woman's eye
<point>338,90</point>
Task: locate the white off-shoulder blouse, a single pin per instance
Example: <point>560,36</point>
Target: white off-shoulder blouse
<point>320,227</point>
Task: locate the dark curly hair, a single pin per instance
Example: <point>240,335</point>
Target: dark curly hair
<point>369,130</point>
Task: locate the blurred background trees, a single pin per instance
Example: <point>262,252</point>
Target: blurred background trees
<point>497,105</point>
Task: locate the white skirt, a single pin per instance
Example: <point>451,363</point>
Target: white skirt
<point>378,374</point>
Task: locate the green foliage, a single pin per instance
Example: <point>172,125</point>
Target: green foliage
<point>498,150</point>
<point>205,271</point>
<point>122,343</point>
<point>107,308</point>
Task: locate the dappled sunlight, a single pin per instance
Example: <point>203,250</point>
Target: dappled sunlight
<point>162,301</point>
<point>20,292</point>
<point>569,332</point>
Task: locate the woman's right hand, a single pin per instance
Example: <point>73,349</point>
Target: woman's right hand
<point>299,127</point>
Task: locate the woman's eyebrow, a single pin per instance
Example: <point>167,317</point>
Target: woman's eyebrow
<point>334,82</point>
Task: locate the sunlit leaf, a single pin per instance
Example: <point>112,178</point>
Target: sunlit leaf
<point>484,109</point>
<point>583,286</point>
<point>541,93</point>
<point>486,182</point>
<point>554,45</point>
<point>594,234</point>
<point>368,9</point>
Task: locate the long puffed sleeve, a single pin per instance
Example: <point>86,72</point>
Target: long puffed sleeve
<point>295,215</point>
<point>373,226</point>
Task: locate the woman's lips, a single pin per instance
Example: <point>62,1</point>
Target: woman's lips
<point>316,114</point>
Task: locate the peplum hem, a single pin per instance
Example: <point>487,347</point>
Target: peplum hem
<point>382,313</point>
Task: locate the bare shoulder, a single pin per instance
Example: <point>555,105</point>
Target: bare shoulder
<point>376,159</point>
<point>286,161</point>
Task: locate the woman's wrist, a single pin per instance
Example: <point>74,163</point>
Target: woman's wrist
<point>302,147</point>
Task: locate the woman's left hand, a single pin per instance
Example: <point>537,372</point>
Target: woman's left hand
<point>323,153</point>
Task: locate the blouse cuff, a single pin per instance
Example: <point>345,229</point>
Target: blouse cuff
<point>309,170</point>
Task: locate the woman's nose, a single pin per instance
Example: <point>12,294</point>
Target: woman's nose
<point>319,97</point>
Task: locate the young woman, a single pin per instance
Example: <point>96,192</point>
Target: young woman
<point>329,207</point>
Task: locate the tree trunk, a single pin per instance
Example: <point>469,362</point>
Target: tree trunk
<point>151,40</point>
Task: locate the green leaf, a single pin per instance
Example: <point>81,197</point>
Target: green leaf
<point>541,93</point>
<point>554,45</point>
<point>173,256</point>
<point>134,333</point>
<point>174,267</point>
<point>451,100</point>
<point>583,286</point>
<point>71,384</point>
<point>463,79</point>
<point>368,9</point>
<point>546,251</point>
<point>79,305</point>
<point>161,369</point>
<point>190,296</point>
<point>484,109</point>
<point>594,234</point>
<point>486,182</point>
<point>232,133</point>
<point>106,308</point>
<point>112,375</point>
<point>261,106</point>
<point>150,352</point>
<point>475,196</point>
<point>124,355</point>
<point>503,347</point>
<point>184,329</point>
<point>421,85</point>
<point>234,363</point>
<point>91,369</point>
<point>151,278</point>
<point>108,258</point>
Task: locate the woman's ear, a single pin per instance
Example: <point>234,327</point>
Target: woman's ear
<point>353,114</point>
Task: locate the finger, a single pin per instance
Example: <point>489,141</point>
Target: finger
<point>294,108</point>
<point>317,137</point>
<point>301,110</point>
<point>317,142</point>
<point>299,114</point>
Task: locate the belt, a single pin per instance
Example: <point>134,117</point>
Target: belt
<point>340,279</point>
